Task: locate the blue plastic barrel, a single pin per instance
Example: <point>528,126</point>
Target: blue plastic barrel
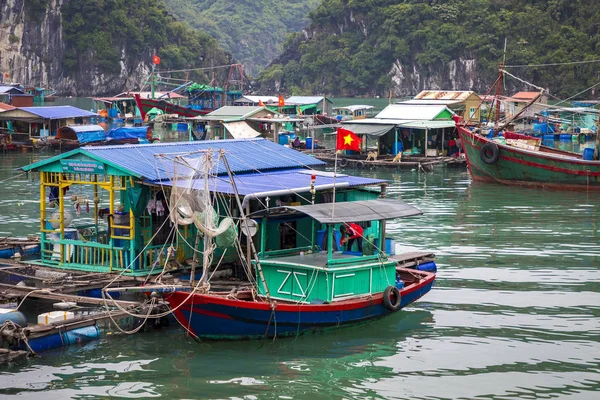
<point>427,267</point>
<point>15,316</point>
<point>309,143</point>
<point>182,127</point>
<point>565,138</point>
<point>390,245</point>
<point>284,139</point>
<point>321,235</point>
<point>79,335</point>
<point>588,153</point>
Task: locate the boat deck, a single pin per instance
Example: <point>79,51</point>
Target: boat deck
<point>309,260</point>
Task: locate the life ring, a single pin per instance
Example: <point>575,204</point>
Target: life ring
<point>489,153</point>
<point>360,164</point>
<point>391,298</point>
<point>343,162</point>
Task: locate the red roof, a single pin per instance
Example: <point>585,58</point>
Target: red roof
<point>527,96</point>
<point>6,107</point>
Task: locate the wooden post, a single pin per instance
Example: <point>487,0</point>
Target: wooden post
<point>426,135</point>
<point>330,228</point>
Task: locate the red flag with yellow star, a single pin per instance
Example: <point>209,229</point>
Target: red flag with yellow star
<point>347,140</point>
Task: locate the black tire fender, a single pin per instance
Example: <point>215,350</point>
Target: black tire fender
<point>343,162</point>
<point>360,164</point>
<point>391,298</point>
<point>489,153</point>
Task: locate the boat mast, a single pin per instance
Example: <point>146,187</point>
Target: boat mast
<point>152,81</point>
<point>245,222</point>
<point>206,202</point>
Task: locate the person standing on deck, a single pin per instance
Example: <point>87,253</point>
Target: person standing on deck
<point>351,232</point>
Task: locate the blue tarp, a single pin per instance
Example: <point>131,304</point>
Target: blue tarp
<point>58,112</point>
<point>136,132</point>
<point>84,133</point>
<point>543,128</point>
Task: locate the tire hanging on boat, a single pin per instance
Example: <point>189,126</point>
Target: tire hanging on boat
<point>391,298</point>
<point>343,162</point>
<point>360,164</point>
<point>489,153</point>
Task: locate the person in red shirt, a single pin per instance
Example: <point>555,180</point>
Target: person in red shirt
<point>351,232</point>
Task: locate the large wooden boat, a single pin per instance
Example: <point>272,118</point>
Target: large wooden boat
<point>145,105</point>
<point>492,161</point>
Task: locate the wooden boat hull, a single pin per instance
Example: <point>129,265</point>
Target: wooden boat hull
<point>146,105</point>
<point>212,316</point>
<point>516,166</point>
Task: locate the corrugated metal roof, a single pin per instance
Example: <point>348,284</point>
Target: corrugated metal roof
<point>429,101</point>
<point>6,107</point>
<point>299,100</point>
<point>53,112</point>
<point>294,180</point>
<point>412,112</point>
<point>6,89</point>
<point>255,99</point>
<point>459,95</point>
<point>235,111</point>
<point>243,155</point>
<point>525,95</point>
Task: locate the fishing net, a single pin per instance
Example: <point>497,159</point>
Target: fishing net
<point>190,203</point>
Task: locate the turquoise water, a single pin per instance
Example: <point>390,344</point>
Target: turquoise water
<point>515,313</point>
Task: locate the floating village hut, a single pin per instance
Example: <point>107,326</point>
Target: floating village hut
<point>25,123</point>
<point>464,103</point>
<point>104,209</point>
<point>254,101</point>
<point>231,122</point>
<point>420,129</point>
<point>15,96</point>
<point>304,105</point>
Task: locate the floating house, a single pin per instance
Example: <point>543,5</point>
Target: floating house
<point>15,96</point>
<point>353,112</point>
<point>254,101</point>
<point>70,137</point>
<point>231,122</point>
<point>519,100</point>
<point>25,123</point>
<point>462,102</point>
<point>304,105</point>
<point>103,209</point>
<point>421,129</point>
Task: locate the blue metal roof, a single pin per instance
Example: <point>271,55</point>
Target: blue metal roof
<point>297,181</point>
<point>7,88</point>
<point>243,155</point>
<point>58,112</point>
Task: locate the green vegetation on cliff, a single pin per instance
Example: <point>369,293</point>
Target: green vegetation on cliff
<point>103,33</point>
<point>355,43</point>
<point>252,30</point>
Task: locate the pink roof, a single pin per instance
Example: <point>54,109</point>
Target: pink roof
<point>6,107</point>
<point>528,96</point>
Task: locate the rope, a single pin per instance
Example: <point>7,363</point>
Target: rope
<point>552,64</point>
<point>523,81</point>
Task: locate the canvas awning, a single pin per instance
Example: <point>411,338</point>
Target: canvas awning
<point>373,130</point>
<point>354,211</point>
<point>241,130</point>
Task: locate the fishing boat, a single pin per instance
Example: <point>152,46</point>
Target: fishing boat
<point>496,154</point>
<point>299,289</point>
<point>517,162</point>
<point>147,104</point>
<point>11,247</point>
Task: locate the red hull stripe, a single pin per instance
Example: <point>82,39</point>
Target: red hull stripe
<point>343,305</point>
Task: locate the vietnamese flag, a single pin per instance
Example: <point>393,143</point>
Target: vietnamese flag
<point>347,140</point>
<point>155,59</point>
<point>281,101</point>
